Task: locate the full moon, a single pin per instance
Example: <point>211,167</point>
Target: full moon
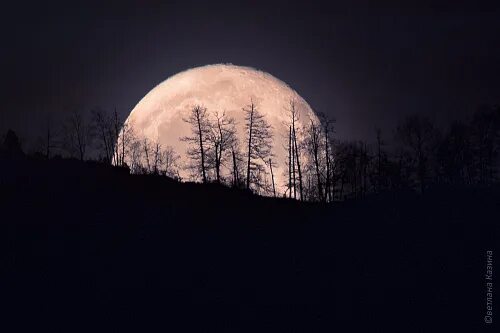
<point>222,87</point>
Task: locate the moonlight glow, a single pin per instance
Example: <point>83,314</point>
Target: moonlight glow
<point>158,116</point>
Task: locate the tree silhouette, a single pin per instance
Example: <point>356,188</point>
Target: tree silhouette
<point>290,153</point>
<point>11,146</point>
<point>238,166</point>
<point>199,140</point>
<point>47,142</point>
<point>160,161</point>
<point>147,149</point>
<point>485,133</point>
<point>271,163</point>
<point>104,130</point>
<point>292,166</point>
<point>465,153</point>
<point>136,157</point>
<point>125,137</point>
<point>417,134</point>
<point>293,113</point>
<point>222,138</point>
<point>157,158</point>
<point>77,135</point>
<point>313,144</point>
<point>169,163</point>
<point>151,158</point>
<point>259,138</point>
<point>327,125</point>
<point>455,163</point>
<point>380,160</point>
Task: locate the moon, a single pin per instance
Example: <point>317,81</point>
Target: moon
<point>221,87</point>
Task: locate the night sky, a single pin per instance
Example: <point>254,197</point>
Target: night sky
<point>367,66</point>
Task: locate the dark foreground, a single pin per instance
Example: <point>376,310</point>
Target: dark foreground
<point>91,249</point>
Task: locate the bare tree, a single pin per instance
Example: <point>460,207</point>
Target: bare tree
<point>272,176</point>
<point>364,163</point>
<point>340,167</point>
<point>238,167</point>
<point>327,125</point>
<point>294,179</point>
<point>290,153</point>
<point>380,143</point>
<point>114,136</point>
<point>222,138</point>
<point>313,144</point>
<point>104,132</point>
<point>455,155</point>
<point>136,157</point>
<point>11,145</point>
<point>259,138</point>
<point>157,158</point>
<point>163,161</point>
<point>148,158</point>
<point>198,141</point>
<point>116,129</point>
<point>47,141</point>
<point>348,168</point>
<point>125,138</point>
<point>169,163</point>
<point>77,135</point>
<point>417,135</point>
<point>485,136</point>
<point>293,114</point>
<point>151,158</point>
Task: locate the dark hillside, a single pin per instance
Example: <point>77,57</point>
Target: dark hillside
<point>91,248</point>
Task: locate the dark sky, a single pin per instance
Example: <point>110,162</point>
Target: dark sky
<point>367,66</point>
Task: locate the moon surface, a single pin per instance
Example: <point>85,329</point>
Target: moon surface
<point>222,87</point>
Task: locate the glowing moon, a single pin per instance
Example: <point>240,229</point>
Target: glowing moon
<point>158,116</point>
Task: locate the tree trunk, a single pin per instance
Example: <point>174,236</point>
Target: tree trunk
<point>117,137</point>
<point>327,156</point>
<point>146,153</point>
<point>250,128</point>
<point>293,169</point>
<point>290,163</point>
<point>235,170</point>
<point>122,158</point>
<point>316,161</point>
<point>217,164</point>
<point>318,176</point>
<point>272,177</point>
<point>47,156</point>
<point>202,151</point>
<point>298,163</point>
<point>218,154</point>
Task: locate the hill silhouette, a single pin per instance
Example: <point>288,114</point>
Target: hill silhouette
<point>90,247</point>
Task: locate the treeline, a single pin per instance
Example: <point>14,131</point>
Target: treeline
<point>105,137</point>
<point>465,153</point>
<point>217,154</point>
<point>318,166</point>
